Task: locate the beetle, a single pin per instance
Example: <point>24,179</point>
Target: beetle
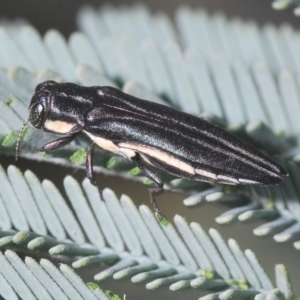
<point>148,134</point>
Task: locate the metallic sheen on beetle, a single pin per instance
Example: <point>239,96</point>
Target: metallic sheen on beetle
<point>149,134</point>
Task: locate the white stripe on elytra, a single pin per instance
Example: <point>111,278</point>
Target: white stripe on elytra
<point>129,150</point>
<point>160,155</point>
<point>248,181</point>
<point>227,178</point>
<point>110,146</point>
<point>74,97</point>
<point>206,173</point>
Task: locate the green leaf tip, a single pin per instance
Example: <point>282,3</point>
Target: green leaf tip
<point>243,284</point>
<point>162,219</point>
<point>10,138</point>
<point>233,282</point>
<point>79,157</point>
<point>229,189</point>
<point>148,181</point>
<point>209,274</point>
<point>111,163</point>
<point>13,136</point>
<point>93,286</point>
<point>270,203</point>
<point>10,100</point>
<point>135,171</point>
<point>46,154</point>
<point>111,295</point>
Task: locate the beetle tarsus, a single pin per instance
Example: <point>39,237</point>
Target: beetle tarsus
<point>89,164</point>
<point>155,191</point>
<point>58,143</point>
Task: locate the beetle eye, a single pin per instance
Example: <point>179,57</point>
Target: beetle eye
<point>36,115</point>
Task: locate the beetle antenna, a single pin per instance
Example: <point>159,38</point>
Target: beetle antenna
<point>19,138</point>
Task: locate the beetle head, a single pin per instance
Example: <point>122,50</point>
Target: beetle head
<point>37,108</point>
<point>39,101</point>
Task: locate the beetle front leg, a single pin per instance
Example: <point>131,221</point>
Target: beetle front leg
<point>89,164</point>
<point>58,143</point>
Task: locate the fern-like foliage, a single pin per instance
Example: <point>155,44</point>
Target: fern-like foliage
<point>160,71</point>
<point>157,254</point>
<point>229,72</point>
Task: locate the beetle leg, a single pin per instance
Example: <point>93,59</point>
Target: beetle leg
<point>146,171</point>
<point>58,143</point>
<point>152,190</point>
<point>89,164</point>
